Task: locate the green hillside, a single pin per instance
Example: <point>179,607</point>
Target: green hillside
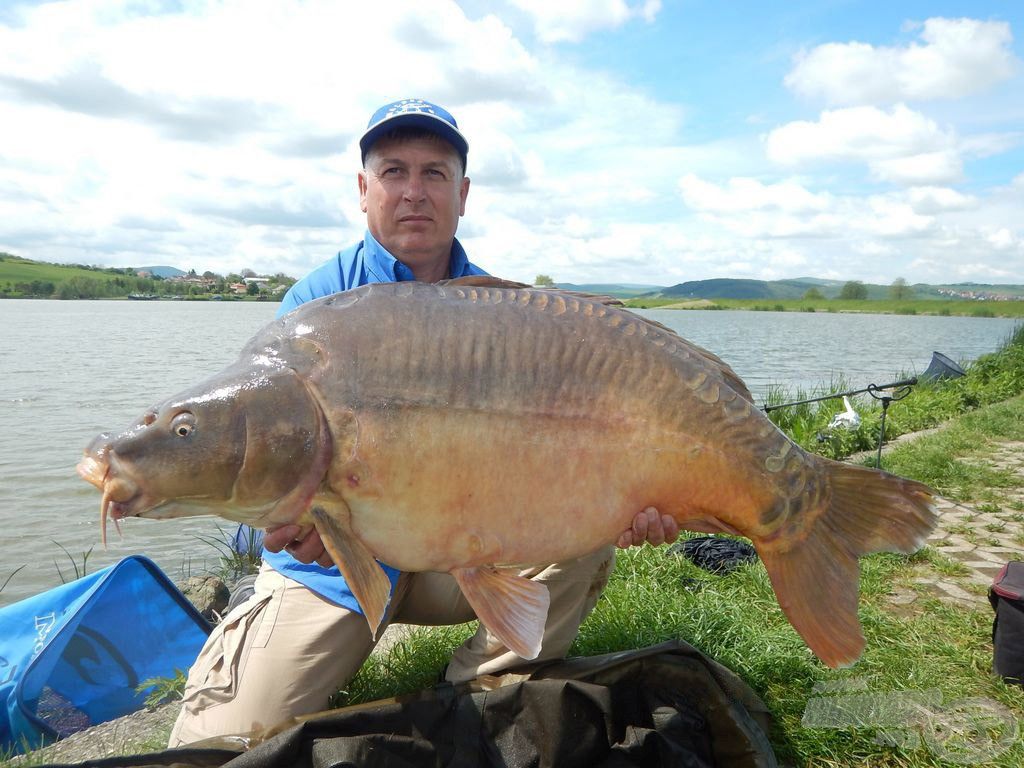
<point>618,290</point>
<point>14,269</point>
<point>26,279</point>
<point>727,288</point>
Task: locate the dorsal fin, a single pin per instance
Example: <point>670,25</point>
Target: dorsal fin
<point>483,281</point>
<point>487,281</point>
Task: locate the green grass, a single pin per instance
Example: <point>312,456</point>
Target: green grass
<point>948,460</point>
<point>164,689</point>
<point>16,270</point>
<point>233,564</point>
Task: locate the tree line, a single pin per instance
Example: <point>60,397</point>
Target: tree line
<point>856,290</point>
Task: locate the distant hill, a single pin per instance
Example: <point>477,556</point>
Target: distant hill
<point>618,290</point>
<point>728,288</point>
<point>162,271</point>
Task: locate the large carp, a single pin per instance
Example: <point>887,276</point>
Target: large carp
<point>469,426</point>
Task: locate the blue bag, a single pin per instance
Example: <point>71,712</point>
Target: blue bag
<point>73,656</point>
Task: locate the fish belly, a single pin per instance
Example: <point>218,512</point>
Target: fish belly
<point>433,492</point>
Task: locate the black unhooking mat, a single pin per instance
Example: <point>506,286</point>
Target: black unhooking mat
<point>668,705</point>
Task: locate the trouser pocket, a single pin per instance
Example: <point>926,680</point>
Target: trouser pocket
<point>213,679</point>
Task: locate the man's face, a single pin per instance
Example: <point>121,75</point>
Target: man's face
<point>413,193</point>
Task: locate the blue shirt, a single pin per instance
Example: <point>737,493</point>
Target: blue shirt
<point>364,263</point>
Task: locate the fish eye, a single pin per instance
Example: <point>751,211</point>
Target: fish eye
<point>183,424</point>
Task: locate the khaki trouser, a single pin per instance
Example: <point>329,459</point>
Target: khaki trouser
<point>286,650</point>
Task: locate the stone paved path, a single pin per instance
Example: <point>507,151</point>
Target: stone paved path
<point>982,537</point>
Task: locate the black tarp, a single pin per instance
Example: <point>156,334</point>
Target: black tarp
<point>665,705</point>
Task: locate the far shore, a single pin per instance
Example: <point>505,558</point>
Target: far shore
<point>925,307</point>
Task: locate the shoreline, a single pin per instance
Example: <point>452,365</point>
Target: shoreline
<point>980,310</point>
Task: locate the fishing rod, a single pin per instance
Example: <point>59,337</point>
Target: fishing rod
<point>878,391</point>
<point>872,388</point>
<point>941,367</point>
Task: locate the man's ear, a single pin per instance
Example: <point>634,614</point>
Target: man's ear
<point>362,191</point>
<point>463,193</point>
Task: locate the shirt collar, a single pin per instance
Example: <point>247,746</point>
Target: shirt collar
<point>387,269</point>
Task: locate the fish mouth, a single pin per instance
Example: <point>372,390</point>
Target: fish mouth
<point>121,496</point>
<point>93,470</point>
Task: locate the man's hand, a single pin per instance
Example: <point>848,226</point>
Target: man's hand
<point>651,527</point>
<point>304,544</point>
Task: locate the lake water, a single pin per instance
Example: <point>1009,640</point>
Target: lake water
<point>70,370</point>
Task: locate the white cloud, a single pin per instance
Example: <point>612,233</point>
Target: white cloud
<point>744,194</point>
<point>856,133</point>
<point>958,57</point>
<point>873,248</point>
<point>943,270</point>
<point>572,20</point>
<point>899,145</point>
<point>938,199</point>
<point>939,167</point>
<point>921,231</point>
<point>788,209</point>
<point>1004,240</point>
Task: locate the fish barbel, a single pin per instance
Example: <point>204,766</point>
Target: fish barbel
<point>472,426</point>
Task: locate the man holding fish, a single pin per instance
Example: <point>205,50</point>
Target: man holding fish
<point>302,635</point>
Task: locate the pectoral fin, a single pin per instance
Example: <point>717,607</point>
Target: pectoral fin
<point>514,608</point>
<point>369,583</point>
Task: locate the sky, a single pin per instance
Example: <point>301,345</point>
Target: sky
<point>625,141</point>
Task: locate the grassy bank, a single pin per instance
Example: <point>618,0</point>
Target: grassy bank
<point>943,307</point>
<point>23,278</point>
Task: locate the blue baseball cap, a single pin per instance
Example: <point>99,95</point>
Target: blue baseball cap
<point>416,113</point>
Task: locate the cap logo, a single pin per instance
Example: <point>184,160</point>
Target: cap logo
<point>410,105</point>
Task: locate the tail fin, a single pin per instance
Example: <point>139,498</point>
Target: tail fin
<point>816,578</point>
